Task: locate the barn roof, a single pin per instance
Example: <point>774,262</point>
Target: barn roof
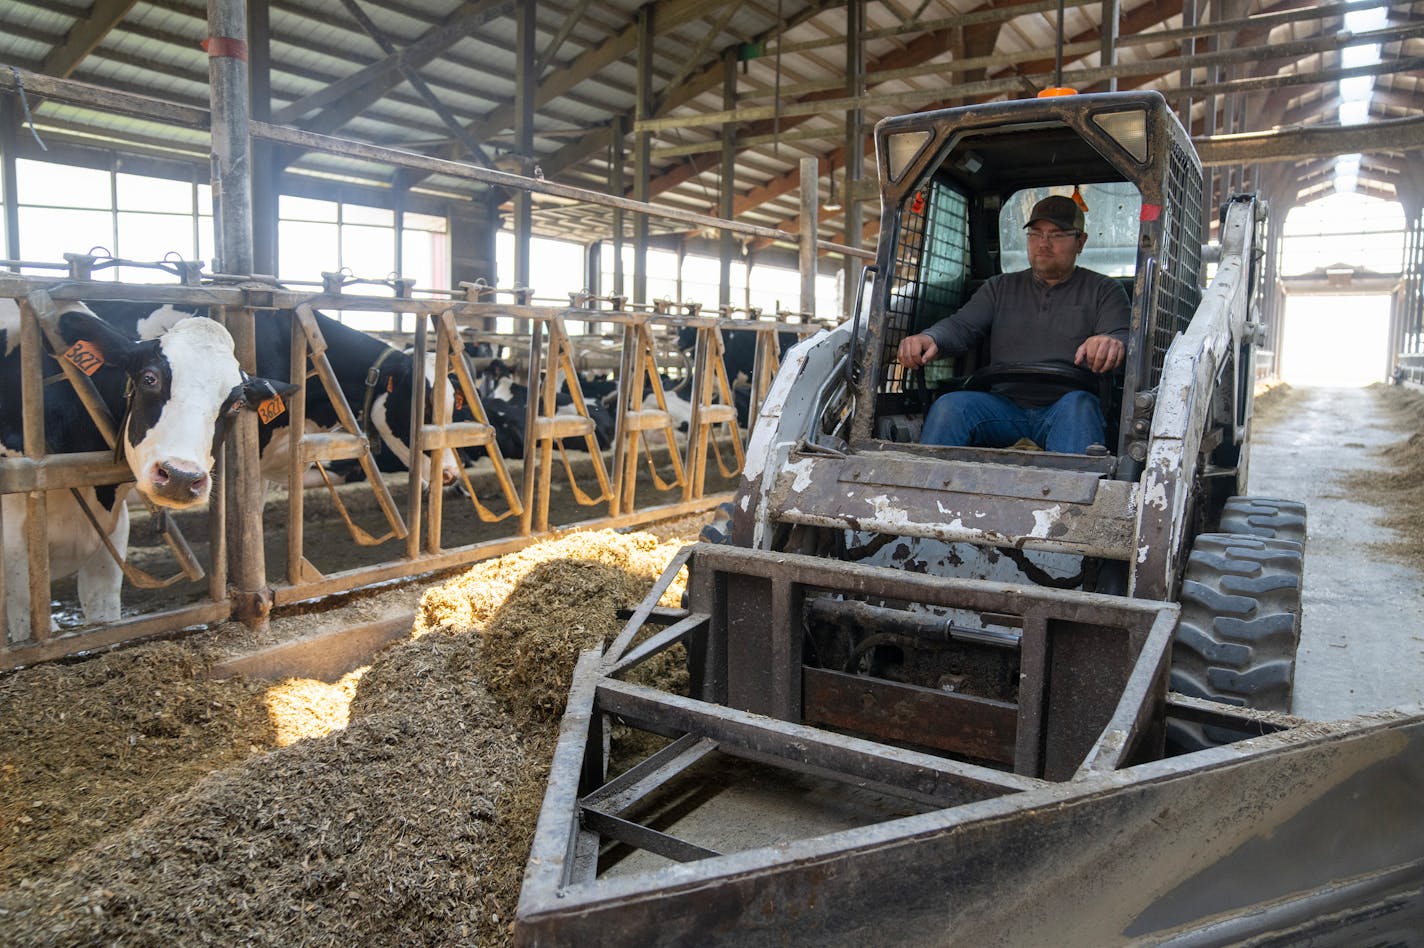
<point>440,77</point>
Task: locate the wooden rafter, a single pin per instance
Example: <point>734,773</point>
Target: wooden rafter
<point>87,33</point>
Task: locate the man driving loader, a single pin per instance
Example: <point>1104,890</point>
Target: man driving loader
<point>1053,312</point>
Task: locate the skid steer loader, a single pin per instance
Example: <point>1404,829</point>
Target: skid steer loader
<point>948,695</point>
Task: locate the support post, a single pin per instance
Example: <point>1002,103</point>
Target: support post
<point>854,144</point>
<point>525,87</point>
<point>726,244</point>
<point>642,148</point>
<point>810,198</point>
<point>232,208</point>
<point>1109,32</point>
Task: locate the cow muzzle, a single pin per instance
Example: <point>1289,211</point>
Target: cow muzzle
<point>171,484</point>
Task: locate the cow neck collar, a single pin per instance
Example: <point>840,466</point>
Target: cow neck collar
<point>373,379</point>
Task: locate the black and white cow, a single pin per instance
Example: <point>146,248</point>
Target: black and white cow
<point>739,361</point>
<point>185,389</point>
<point>374,377</point>
<point>506,402</point>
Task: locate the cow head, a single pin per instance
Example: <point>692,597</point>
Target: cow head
<point>389,415</point>
<point>184,390</point>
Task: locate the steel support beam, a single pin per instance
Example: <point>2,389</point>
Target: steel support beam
<point>232,198</point>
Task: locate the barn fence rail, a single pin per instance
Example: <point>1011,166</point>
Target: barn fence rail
<point>646,474</point>
<point>389,527</point>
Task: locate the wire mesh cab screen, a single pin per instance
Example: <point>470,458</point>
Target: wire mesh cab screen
<point>931,272</point>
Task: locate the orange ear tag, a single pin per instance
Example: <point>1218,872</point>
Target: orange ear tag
<point>85,356</point>
<point>459,399</point>
<point>918,205</point>
<point>271,408</point>
<point>390,384</point>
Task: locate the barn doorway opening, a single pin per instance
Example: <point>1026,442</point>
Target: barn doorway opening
<point>1335,339</point>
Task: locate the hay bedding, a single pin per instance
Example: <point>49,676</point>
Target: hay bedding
<point>409,826</point>
<point>1397,487</point>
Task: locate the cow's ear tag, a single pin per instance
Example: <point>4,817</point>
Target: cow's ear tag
<point>85,356</point>
<point>271,408</point>
<point>390,384</point>
<point>459,399</point>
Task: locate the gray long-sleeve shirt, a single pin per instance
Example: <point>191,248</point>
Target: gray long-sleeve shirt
<point>1028,321</point>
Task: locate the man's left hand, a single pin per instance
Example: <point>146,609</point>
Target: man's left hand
<point>1100,353</point>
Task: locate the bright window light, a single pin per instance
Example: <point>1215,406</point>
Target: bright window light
<point>1354,113</point>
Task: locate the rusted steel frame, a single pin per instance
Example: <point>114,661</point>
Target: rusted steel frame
<point>58,471</point>
<point>1231,838</point>
<point>557,832</point>
<point>695,461</point>
<point>625,791</point>
<point>1216,714</point>
<point>68,290</point>
<point>634,834</point>
<point>103,97</point>
<point>535,518</point>
<point>1029,751</point>
<point>347,580</point>
<point>893,711</point>
<point>765,366</point>
<point>439,421</point>
<point>484,436</point>
<point>296,456</point>
<point>41,308</point>
<point>633,420</point>
<point>661,641</point>
<point>1141,707</point>
<point>36,505</point>
<point>712,404</point>
<point>133,574</point>
<point>619,646</point>
<point>795,744</point>
<point>624,438</point>
<point>855,579</point>
<point>117,633</point>
<point>315,346</point>
<point>414,496</point>
<point>1000,505</point>
<point>405,159</point>
<point>554,428</point>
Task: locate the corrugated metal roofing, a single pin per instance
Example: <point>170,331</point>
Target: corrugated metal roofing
<point>910,49</point>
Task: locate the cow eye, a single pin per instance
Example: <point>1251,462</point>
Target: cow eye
<point>148,379</point>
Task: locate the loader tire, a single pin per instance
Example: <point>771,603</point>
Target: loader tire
<point>1264,517</point>
<point>1240,628</point>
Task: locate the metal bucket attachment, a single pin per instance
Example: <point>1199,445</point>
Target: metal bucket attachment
<point>856,765</point>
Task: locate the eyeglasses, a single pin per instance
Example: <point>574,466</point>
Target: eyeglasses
<point>1056,236</point>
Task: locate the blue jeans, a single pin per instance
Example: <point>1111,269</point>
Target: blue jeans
<point>986,420</point>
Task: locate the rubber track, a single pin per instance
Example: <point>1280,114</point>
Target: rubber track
<point>1264,517</point>
<point>1240,627</point>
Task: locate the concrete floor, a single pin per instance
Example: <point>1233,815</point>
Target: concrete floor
<point>1362,634</point>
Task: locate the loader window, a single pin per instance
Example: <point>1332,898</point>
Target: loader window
<point>931,268</point>
<point>1112,220</point>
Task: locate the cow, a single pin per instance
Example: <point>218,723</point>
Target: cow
<point>175,396</point>
<point>374,377</point>
<point>739,361</point>
<point>506,402</point>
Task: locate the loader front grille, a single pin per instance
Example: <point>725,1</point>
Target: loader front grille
<point>931,271</point>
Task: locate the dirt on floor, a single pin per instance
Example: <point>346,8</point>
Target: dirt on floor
<point>145,803</point>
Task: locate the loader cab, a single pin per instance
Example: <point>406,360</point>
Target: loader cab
<point>956,189</point>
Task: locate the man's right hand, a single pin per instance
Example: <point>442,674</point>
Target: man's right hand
<point>916,350</point>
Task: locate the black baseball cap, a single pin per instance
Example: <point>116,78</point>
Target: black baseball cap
<point>1059,210</point>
